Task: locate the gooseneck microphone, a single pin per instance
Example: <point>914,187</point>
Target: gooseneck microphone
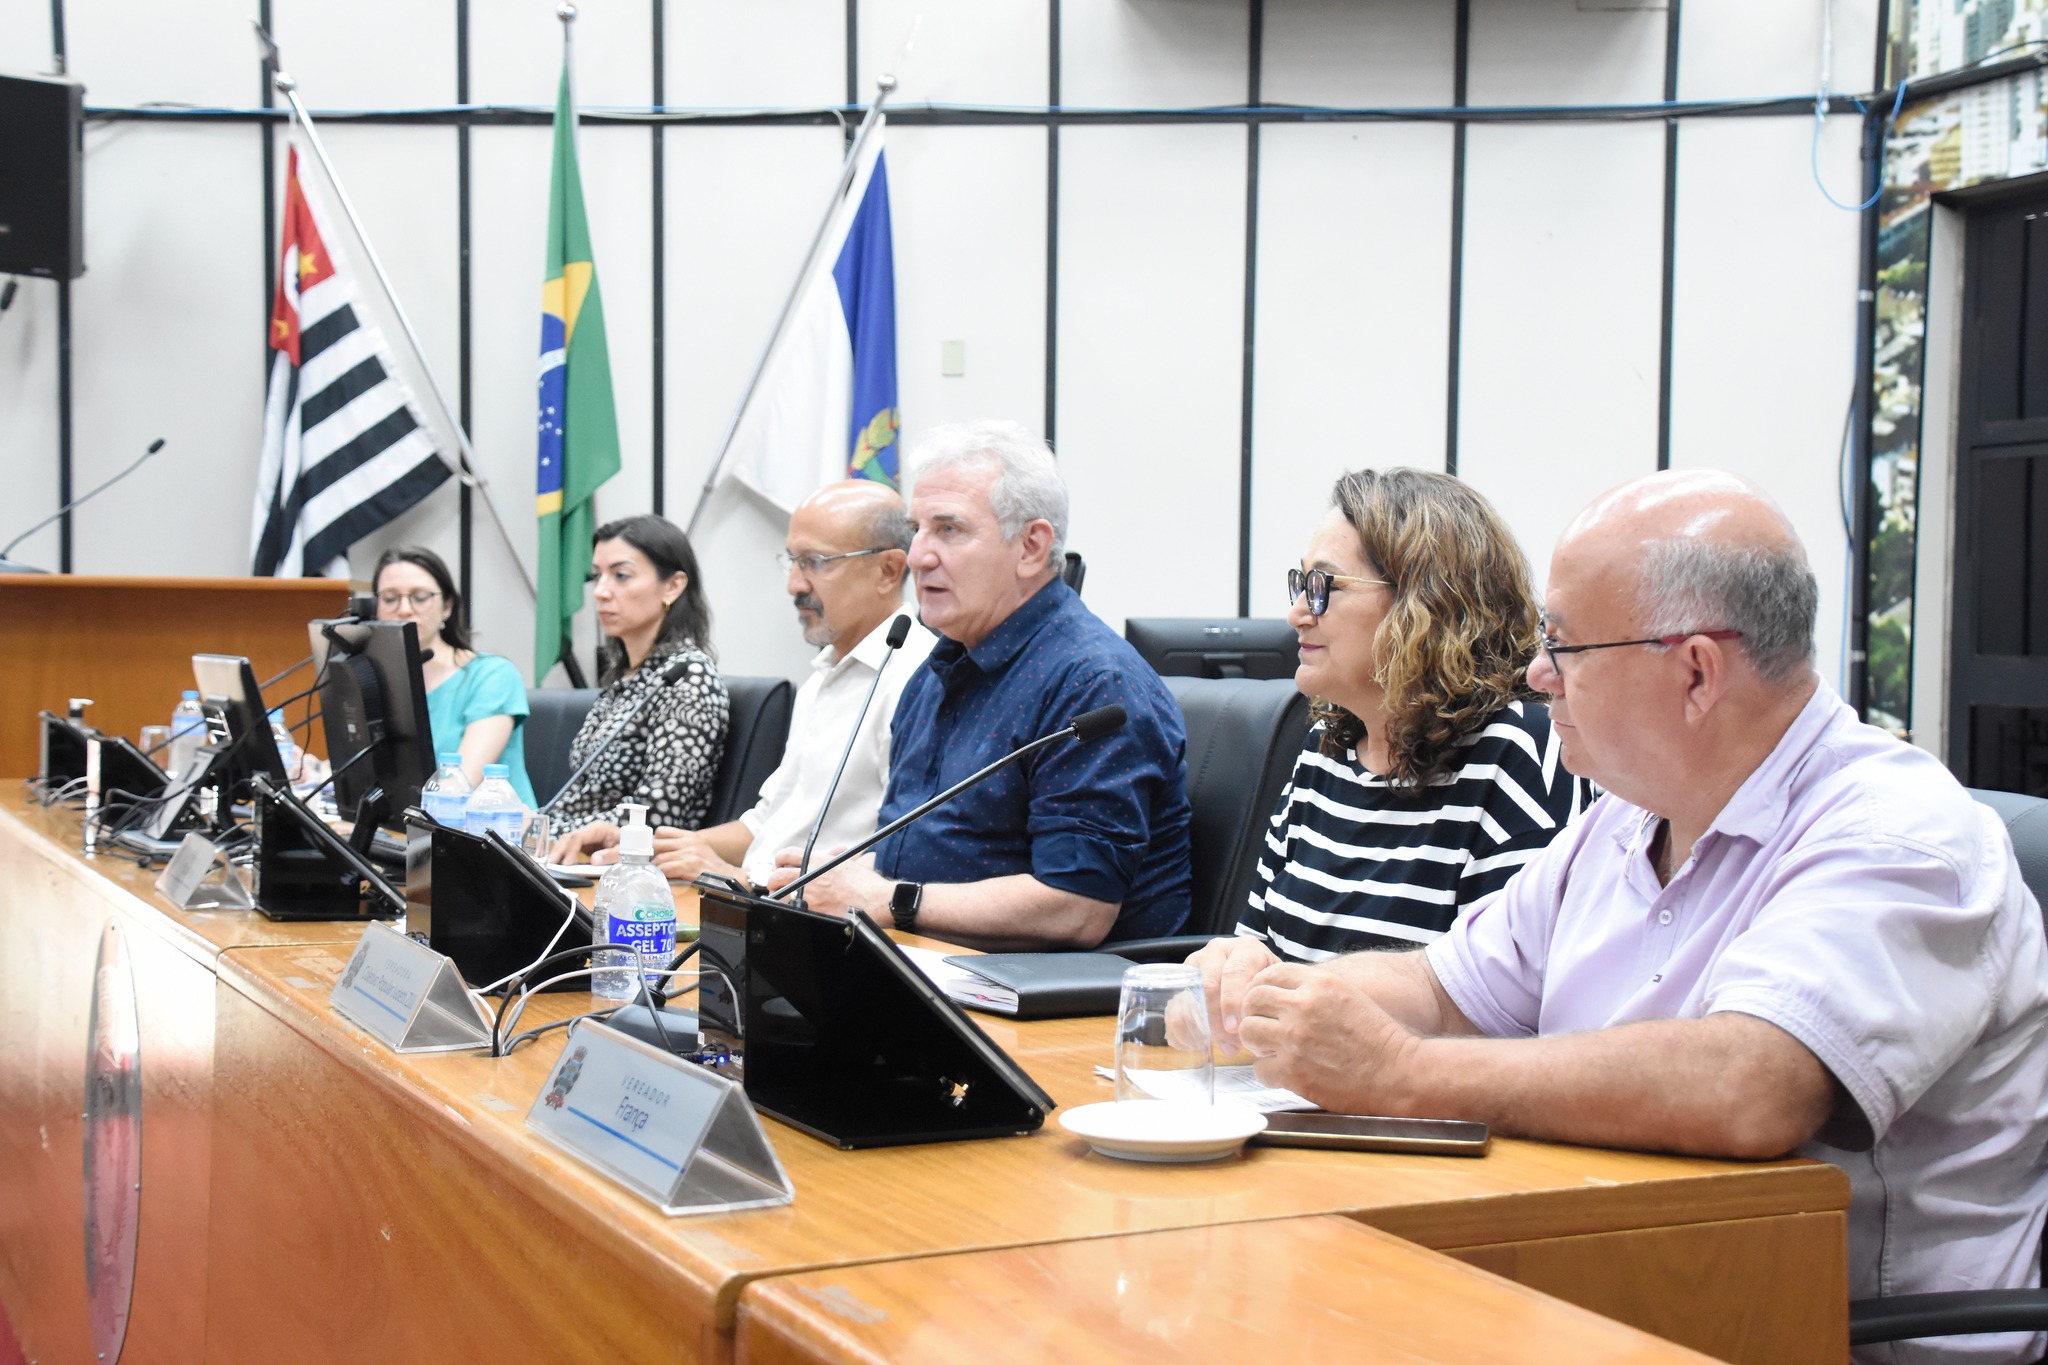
<point>8,548</point>
<point>899,631</point>
<point>669,676</point>
<point>1084,727</point>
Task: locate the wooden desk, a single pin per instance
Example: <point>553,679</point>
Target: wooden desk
<point>417,1217</point>
<point>54,903</point>
<point>128,643</point>
<point>1329,1288</point>
<point>309,1196</point>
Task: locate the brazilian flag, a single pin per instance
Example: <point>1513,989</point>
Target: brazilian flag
<point>579,428</point>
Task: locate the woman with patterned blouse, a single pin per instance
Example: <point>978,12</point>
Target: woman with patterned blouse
<point>1431,774</point>
<point>652,609</point>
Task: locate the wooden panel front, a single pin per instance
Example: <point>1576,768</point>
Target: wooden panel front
<point>1310,1289</point>
<point>1773,1291</point>
<point>50,920</point>
<point>352,1224</point>
<point>53,905</point>
<point>894,1203</point>
<point>128,644</point>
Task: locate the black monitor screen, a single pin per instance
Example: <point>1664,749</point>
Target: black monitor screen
<point>234,703</point>
<point>372,695</point>
<point>1192,647</point>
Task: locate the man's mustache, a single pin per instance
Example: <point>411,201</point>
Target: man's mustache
<point>804,601</point>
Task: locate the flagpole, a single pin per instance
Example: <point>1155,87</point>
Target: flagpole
<point>884,85</point>
<point>466,467</point>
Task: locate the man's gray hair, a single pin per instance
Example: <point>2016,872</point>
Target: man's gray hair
<point>1028,485</point>
<point>887,527</point>
<point>1766,592</point>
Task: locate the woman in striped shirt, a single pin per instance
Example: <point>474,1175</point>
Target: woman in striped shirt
<point>1431,774</point>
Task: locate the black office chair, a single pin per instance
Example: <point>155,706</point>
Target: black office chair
<point>1075,572</point>
<point>754,737</point>
<point>1971,1312</point>
<point>1243,736</point>
<point>554,716</point>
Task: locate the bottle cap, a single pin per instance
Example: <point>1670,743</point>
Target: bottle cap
<point>191,694</point>
<point>277,716</point>
<point>451,759</point>
<point>636,840</point>
<point>495,770</point>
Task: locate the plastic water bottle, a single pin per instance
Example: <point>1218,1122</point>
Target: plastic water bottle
<point>494,805</point>
<point>446,795</point>
<point>635,909</point>
<point>287,747</point>
<point>188,733</point>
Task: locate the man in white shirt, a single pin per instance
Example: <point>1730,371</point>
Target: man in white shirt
<point>845,556</point>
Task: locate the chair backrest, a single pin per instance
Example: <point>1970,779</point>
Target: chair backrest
<point>2026,820</point>
<point>1243,736</point>
<point>554,716</point>
<point>1075,571</point>
<point>754,737</point>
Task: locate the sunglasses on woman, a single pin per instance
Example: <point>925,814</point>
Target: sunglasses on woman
<point>1317,584</point>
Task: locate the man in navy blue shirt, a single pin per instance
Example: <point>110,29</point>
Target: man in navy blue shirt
<point>1084,842</point>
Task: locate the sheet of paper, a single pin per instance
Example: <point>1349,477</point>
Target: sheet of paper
<point>1234,1083</point>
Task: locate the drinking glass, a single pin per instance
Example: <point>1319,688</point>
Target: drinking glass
<point>156,742</point>
<point>536,838</point>
<point>1163,1049</point>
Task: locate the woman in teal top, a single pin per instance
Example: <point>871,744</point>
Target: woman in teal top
<point>476,703</point>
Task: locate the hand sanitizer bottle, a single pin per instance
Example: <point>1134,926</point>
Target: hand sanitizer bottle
<point>635,909</point>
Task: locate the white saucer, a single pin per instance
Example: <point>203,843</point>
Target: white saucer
<point>1164,1130</point>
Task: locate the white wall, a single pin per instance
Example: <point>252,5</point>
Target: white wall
<point>1562,262</point>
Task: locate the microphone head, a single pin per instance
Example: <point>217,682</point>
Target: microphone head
<point>1095,724</point>
<point>155,446</point>
<point>674,671</point>
<point>899,631</point>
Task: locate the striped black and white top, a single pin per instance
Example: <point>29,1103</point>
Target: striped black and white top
<point>1352,862</point>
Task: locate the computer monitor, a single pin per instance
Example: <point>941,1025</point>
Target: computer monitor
<point>1193,647</point>
<point>372,696</point>
<point>235,714</point>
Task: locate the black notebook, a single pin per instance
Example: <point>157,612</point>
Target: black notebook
<point>1045,985</point>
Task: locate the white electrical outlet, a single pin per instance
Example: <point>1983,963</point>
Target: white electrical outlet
<point>952,359</point>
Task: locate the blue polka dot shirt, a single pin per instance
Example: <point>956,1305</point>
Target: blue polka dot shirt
<point>1106,819</point>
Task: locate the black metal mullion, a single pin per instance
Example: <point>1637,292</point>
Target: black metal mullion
<point>64,471</point>
<point>658,284</point>
<point>465,511</point>
<point>1454,333</point>
<point>1052,221</point>
<point>852,63</point>
<point>1672,32</point>
<point>1255,61</point>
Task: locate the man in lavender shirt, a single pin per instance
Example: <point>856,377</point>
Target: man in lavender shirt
<point>1780,931</point>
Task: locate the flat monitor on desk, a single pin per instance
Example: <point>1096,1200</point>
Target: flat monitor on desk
<point>1193,647</point>
<point>373,696</point>
<point>235,714</point>
<point>239,744</point>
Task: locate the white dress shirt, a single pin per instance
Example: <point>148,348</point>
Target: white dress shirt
<point>818,726</point>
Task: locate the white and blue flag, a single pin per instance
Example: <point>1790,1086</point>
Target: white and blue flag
<point>825,408</point>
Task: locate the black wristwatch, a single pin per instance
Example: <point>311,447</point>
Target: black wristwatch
<point>904,902</point>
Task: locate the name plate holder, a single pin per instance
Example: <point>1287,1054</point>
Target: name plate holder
<point>679,1135</point>
<point>407,996</point>
<point>201,877</point>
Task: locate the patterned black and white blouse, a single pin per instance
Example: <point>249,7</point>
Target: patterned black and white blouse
<point>667,760</point>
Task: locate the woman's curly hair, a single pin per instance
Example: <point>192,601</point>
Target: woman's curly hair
<point>1455,645</point>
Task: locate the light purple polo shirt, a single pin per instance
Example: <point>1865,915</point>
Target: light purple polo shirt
<point>1854,895</point>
